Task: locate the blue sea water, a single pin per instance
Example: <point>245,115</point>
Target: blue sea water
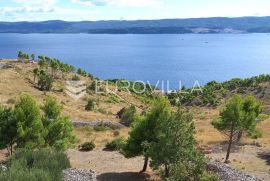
<point>186,58</point>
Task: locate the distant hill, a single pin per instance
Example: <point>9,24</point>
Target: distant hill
<point>170,26</point>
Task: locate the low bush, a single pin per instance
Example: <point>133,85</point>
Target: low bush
<point>45,82</point>
<point>263,117</point>
<point>102,111</point>
<point>116,144</point>
<point>90,105</point>
<point>101,127</point>
<point>87,146</point>
<point>75,78</point>
<point>255,134</point>
<point>116,133</point>
<point>127,115</point>
<point>35,165</point>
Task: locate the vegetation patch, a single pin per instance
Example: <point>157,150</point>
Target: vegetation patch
<point>87,146</point>
<point>116,144</point>
<point>36,165</point>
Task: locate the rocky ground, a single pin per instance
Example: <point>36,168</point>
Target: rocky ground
<point>227,173</point>
<point>73,174</point>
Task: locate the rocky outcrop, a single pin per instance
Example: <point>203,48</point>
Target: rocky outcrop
<point>78,124</point>
<point>73,174</point>
<point>226,173</point>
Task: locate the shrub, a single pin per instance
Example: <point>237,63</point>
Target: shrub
<point>113,127</point>
<point>100,127</point>
<point>116,133</point>
<point>45,82</point>
<point>255,134</point>
<point>113,99</point>
<point>75,78</point>
<point>36,165</point>
<point>114,145</point>
<point>87,146</point>
<point>92,86</point>
<point>102,111</point>
<point>209,177</point>
<point>263,117</point>
<point>90,105</point>
<point>127,115</point>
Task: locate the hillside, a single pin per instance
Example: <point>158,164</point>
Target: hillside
<point>18,78</point>
<point>170,26</point>
<point>250,155</point>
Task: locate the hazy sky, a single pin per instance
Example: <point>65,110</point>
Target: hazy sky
<point>74,10</point>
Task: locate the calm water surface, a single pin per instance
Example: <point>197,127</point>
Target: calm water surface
<point>185,58</point>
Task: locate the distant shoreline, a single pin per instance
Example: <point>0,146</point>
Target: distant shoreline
<point>164,26</point>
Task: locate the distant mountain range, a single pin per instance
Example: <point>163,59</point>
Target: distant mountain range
<point>166,26</point>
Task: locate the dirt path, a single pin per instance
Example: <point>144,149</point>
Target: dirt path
<point>109,166</point>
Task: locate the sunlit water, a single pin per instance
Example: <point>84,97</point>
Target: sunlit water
<point>175,58</point>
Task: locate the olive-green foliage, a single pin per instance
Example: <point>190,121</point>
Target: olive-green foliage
<point>255,134</point>
<point>140,89</point>
<point>24,126</point>
<point>75,78</point>
<point>175,143</point>
<point>45,82</point>
<point>8,129</point>
<point>60,134</point>
<point>22,55</point>
<point>191,168</point>
<point>36,73</point>
<point>36,165</point>
<point>144,129</point>
<point>113,99</point>
<point>116,144</point>
<point>30,128</point>
<point>51,108</point>
<point>87,146</point>
<point>59,130</point>
<point>263,117</point>
<point>167,138</point>
<point>127,115</point>
<point>213,91</point>
<point>82,72</point>
<point>90,105</point>
<point>92,86</point>
<point>33,57</point>
<point>238,115</point>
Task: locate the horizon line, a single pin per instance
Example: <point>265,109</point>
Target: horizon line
<point>229,17</point>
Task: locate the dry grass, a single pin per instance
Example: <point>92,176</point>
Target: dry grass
<point>14,81</point>
<point>19,79</point>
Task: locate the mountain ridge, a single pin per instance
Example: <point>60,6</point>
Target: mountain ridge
<point>249,24</point>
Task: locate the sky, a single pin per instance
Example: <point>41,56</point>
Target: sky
<point>80,10</point>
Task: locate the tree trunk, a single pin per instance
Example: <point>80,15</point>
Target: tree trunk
<point>229,147</point>
<point>239,135</point>
<point>145,164</point>
<point>11,150</point>
<point>167,174</point>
